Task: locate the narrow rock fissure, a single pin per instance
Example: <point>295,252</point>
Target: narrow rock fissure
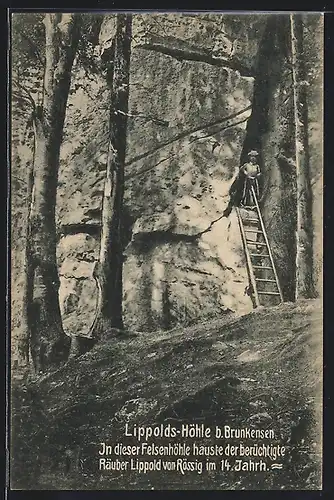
<point>278,204</point>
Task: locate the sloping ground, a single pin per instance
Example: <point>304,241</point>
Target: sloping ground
<point>260,371</point>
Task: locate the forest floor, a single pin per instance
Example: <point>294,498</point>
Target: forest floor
<point>260,371</point>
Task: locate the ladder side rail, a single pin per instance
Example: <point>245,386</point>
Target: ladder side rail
<point>267,242</point>
<point>248,259</point>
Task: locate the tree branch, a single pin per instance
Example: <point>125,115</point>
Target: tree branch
<point>158,121</point>
<point>26,91</point>
<point>22,181</point>
<point>218,130</point>
<point>147,169</point>
<point>34,48</point>
<point>151,167</point>
<point>19,96</point>
<point>184,134</point>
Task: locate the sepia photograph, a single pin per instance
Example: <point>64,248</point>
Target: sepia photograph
<point>166,250</point>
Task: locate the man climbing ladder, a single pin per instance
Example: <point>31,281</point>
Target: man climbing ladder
<point>264,287</point>
<point>240,191</point>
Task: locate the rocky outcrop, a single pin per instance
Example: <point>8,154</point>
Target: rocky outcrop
<point>217,39</point>
<point>203,91</point>
<point>77,254</point>
<point>191,88</point>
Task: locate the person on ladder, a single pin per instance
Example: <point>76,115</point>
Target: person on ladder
<point>240,191</point>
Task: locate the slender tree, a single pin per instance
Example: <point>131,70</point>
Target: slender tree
<point>27,293</point>
<point>304,230</point>
<point>49,343</point>
<point>108,270</point>
<point>27,49</point>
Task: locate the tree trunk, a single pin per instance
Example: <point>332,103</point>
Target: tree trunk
<point>27,292</point>
<point>304,229</point>
<point>49,344</point>
<point>108,271</point>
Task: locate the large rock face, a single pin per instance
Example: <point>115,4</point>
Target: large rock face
<point>204,89</point>
<point>191,89</point>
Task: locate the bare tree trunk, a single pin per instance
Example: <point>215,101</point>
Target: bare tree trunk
<point>49,344</point>
<point>27,292</point>
<point>304,230</point>
<point>108,271</point>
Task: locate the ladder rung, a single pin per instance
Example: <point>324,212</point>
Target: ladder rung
<point>250,220</point>
<point>254,224</point>
<point>259,254</point>
<point>257,243</point>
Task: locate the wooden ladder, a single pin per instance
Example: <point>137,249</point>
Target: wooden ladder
<point>261,268</point>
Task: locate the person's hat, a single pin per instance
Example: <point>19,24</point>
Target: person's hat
<point>253,153</point>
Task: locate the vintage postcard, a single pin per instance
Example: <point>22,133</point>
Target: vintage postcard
<point>166,250</point>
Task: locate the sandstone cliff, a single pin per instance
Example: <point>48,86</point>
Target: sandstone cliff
<point>203,91</point>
